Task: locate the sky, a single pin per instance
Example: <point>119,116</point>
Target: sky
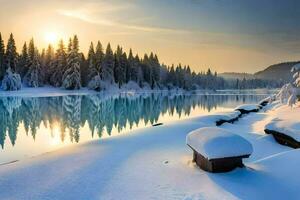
<point>225,35</point>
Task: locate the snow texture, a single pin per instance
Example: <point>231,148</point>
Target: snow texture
<point>213,143</point>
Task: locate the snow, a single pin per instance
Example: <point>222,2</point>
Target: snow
<point>155,163</point>
<point>213,143</point>
<point>227,116</point>
<point>11,81</point>
<point>286,121</point>
<point>248,107</point>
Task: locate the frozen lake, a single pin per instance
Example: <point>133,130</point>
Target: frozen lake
<point>30,126</point>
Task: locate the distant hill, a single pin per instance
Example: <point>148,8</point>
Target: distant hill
<point>281,71</point>
<point>234,75</point>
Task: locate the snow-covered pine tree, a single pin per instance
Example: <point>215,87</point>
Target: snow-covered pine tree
<point>47,62</point>
<point>91,59</point>
<point>119,67</point>
<point>156,70</point>
<point>96,82</point>
<point>138,70</point>
<point>99,56</point>
<point>107,72</point>
<point>71,78</point>
<point>33,77</point>
<point>58,65</point>
<point>132,67</point>
<point>11,54</point>
<point>2,51</point>
<point>11,81</point>
<point>23,62</point>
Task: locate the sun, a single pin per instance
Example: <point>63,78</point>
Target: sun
<point>51,37</point>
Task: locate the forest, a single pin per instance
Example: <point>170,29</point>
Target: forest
<point>66,67</point>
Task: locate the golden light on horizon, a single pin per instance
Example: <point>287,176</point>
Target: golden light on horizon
<point>51,37</point>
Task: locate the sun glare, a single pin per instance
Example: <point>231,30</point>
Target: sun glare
<point>51,37</point>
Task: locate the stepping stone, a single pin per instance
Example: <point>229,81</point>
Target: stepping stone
<point>218,150</point>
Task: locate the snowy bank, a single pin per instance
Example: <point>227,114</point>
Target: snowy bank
<point>155,163</point>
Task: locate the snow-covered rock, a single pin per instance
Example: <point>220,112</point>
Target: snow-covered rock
<point>11,81</point>
<point>213,143</point>
<point>230,117</point>
<point>287,127</point>
<point>246,108</point>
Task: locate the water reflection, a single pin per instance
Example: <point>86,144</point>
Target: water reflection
<point>66,115</point>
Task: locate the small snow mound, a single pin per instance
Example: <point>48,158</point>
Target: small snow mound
<point>287,127</point>
<point>214,143</point>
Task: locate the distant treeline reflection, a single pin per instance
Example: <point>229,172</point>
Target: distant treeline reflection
<point>71,113</point>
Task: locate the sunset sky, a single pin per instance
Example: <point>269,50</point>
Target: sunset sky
<point>226,35</point>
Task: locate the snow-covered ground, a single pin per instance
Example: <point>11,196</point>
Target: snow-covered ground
<point>155,163</point>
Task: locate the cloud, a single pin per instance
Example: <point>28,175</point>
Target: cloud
<point>97,16</point>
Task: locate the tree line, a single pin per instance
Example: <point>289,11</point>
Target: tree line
<point>68,68</point>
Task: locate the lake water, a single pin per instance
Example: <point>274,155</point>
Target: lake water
<point>31,126</point>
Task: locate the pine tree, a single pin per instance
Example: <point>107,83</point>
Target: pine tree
<point>47,62</point>
<point>71,77</point>
<point>11,54</point>
<point>2,52</point>
<point>107,71</point>
<point>58,66</point>
<point>120,66</point>
<point>91,59</point>
<point>33,77</point>
<point>23,61</point>
<point>99,56</point>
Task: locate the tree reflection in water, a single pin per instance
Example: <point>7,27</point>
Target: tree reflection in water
<point>70,113</point>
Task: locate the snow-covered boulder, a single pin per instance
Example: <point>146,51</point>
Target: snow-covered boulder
<point>11,81</point>
<point>247,108</point>
<point>218,150</point>
<point>286,132</point>
<point>229,117</point>
<point>213,143</point>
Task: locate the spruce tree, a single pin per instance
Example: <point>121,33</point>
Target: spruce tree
<point>107,71</point>
<point>23,61</point>
<point>2,52</point>
<point>33,77</point>
<point>91,59</point>
<point>120,67</point>
<point>58,66</point>
<point>47,62</point>
<point>99,56</point>
<point>11,54</point>
<point>71,78</point>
